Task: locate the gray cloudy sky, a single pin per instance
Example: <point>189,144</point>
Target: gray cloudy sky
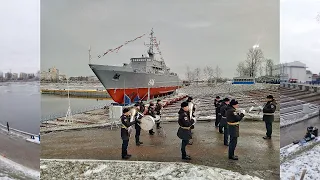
<point>193,33</point>
<point>300,32</point>
<point>19,35</point>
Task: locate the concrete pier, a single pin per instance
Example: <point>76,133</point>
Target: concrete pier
<point>77,93</point>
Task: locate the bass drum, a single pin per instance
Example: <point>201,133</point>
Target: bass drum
<point>147,123</point>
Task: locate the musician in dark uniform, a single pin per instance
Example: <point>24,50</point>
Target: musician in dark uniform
<point>137,124</point>
<point>125,120</point>
<point>223,122</point>
<point>219,115</point>
<point>233,118</point>
<point>184,131</point>
<point>158,112</point>
<point>216,103</point>
<point>268,115</point>
<point>151,112</point>
<point>189,100</point>
<point>142,107</point>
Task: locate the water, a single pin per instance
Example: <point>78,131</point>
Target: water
<point>55,106</point>
<point>20,106</point>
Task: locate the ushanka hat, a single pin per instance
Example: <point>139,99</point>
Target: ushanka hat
<point>233,102</point>
<point>270,97</point>
<point>184,104</point>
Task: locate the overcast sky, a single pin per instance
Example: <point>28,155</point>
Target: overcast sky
<point>300,32</point>
<point>193,33</point>
<point>19,35</point>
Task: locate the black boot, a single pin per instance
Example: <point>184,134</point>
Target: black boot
<point>186,157</point>
<point>234,158</point>
<point>266,137</point>
<point>151,132</point>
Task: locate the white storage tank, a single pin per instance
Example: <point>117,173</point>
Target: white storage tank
<point>115,112</point>
<point>306,108</point>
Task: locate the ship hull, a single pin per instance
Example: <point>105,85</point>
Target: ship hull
<point>131,86</point>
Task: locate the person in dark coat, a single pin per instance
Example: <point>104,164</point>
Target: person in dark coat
<point>218,109</point>
<point>184,131</point>
<point>125,120</point>
<point>189,100</point>
<point>268,115</point>
<point>233,118</point>
<point>151,113</point>
<point>216,103</point>
<point>8,127</point>
<point>142,107</point>
<point>158,112</point>
<point>137,124</point>
<point>223,122</point>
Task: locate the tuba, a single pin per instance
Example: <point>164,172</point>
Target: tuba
<point>191,105</point>
<point>133,112</point>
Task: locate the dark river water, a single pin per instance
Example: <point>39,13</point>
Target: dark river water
<point>20,106</point>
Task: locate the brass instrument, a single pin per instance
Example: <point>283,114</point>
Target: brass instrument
<point>133,112</point>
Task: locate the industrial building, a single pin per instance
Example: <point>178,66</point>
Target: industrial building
<point>295,71</point>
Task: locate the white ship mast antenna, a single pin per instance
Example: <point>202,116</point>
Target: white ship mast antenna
<point>69,114</point>
<point>89,54</point>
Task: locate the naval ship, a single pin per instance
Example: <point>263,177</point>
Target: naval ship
<point>143,78</point>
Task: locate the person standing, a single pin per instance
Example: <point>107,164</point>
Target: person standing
<point>233,118</point>
<point>8,127</point>
<point>223,122</point>
<point>158,112</point>
<point>151,113</point>
<point>268,115</point>
<point>184,131</point>
<point>219,104</point>
<point>137,124</point>
<point>216,103</point>
<point>125,135</point>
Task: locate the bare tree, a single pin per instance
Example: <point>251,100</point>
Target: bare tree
<point>241,69</point>
<point>205,73</point>
<point>269,67</point>
<point>254,59</point>
<point>217,72</point>
<point>261,70</point>
<point>189,74</point>
<point>197,74</point>
<point>210,72</point>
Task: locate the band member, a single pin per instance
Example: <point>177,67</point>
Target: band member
<point>137,124</point>
<point>150,112</point>
<point>125,120</point>
<point>194,108</point>
<point>233,119</point>
<point>189,100</point>
<point>223,122</point>
<point>158,112</point>
<point>184,131</point>
<point>216,103</point>
<point>268,115</point>
<point>142,107</point>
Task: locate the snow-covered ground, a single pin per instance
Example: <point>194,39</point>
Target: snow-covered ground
<point>309,160</point>
<point>11,170</point>
<point>105,169</point>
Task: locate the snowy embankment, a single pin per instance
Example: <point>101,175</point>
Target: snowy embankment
<point>15,170</point>
<point>308,160</point>
<point>104,169</point>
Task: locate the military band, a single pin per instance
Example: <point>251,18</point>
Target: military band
<point>228,120</point>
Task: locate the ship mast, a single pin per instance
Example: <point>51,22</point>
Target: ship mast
<point>151,44</point>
